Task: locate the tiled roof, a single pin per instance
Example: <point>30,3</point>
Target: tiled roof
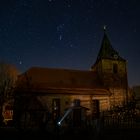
<point>59,80</point>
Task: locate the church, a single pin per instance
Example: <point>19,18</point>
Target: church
<point>103,86</point>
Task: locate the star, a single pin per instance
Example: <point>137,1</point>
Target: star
<point>20,62</point>
<point>60,37</point>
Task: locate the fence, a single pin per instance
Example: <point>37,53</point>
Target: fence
<point>121,120</point>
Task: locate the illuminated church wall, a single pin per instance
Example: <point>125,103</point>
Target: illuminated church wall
<point>115,79</point>
<point>66,101</point>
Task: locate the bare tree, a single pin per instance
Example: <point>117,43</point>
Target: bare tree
<point>8,77</point>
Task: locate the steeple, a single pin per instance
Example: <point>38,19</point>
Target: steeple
<point>111,70</point>
<point>107,51</point>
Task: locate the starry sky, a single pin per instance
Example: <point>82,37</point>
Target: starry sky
<point>68,33</point>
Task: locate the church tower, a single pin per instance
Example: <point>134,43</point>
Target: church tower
<point>111,69</point>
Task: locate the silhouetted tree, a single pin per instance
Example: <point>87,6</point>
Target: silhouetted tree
<point>8,76</point>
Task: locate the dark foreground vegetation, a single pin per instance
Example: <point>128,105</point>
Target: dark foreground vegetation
<point>114,125</point>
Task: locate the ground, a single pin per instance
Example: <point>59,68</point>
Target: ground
<point>109,134</point>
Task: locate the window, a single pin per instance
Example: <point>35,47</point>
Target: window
<point>115,68</point>
<point>95,108</point>
<point>56,108</point>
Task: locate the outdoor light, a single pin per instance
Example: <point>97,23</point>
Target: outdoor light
<point>59,123</point>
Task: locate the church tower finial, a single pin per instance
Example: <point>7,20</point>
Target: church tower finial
<point>104,28</point>
<point>107,51</point>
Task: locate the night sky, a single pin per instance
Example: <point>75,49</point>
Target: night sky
<point>68,33</point>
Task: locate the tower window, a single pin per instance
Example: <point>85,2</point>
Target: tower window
<point>115,68</point>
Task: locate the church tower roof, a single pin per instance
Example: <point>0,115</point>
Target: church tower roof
<point>107,51</point>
